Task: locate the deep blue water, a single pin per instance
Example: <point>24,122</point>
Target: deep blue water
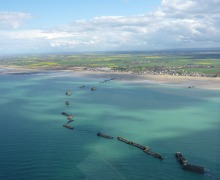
<point>34,145</point>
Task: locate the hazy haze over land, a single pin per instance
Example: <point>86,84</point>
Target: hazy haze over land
<point>65,26</point>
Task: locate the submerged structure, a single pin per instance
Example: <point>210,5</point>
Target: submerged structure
<point>69,121</point>
<point>65,114</point>
<point>68,93</point>
<point>105,136</point>
<point>69,116</point>
<point>149,152</point>
<point>67,102</point>
<point>146,149</point>
<point>124,140</point>
<point>93,88</point>
<point>185,165</point>
<point>68,126</point>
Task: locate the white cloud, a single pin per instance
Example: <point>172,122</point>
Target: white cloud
<point>13,19</point>
<point>163,28</point>
<point>175,23</point>
<point>38,34</point>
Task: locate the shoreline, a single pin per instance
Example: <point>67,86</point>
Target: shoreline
<point>212,83</point>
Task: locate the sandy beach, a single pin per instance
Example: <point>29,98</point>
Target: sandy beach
<point>183,81</point>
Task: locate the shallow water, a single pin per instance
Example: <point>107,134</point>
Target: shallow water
<point>34,145</point>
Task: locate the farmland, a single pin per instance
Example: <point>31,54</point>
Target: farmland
<point>187,63</point>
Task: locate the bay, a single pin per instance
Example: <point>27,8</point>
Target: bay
<point>34,145</point>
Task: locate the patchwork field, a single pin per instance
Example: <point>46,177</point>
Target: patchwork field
<point>188,63</point>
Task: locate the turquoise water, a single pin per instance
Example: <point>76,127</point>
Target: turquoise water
<point>34,145</point>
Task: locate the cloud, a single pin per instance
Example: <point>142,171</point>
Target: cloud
<point>13,19</point>
<point>174,24</point>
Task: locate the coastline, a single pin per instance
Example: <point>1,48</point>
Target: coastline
<point>212,83</point>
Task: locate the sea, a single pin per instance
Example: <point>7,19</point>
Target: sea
<point>34,145</point>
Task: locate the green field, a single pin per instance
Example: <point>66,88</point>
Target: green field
<point>168,63</point>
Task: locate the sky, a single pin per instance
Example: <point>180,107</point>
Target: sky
<point>109,25</point>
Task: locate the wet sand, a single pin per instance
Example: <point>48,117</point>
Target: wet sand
<point>184,81</point>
